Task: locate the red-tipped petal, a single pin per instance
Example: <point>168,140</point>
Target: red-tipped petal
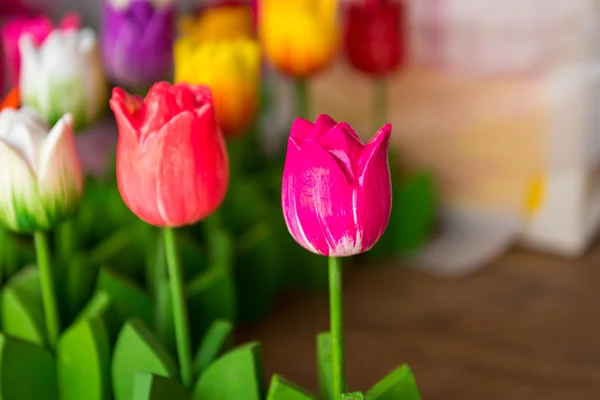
<point>126,109</point>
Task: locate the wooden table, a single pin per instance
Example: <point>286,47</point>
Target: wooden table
<point>526,327</point>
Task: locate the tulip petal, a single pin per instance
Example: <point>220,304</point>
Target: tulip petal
<point>187,147</point>
<point>24,131</point>
<point>160,106</point>
<point>302,129</point>
<point>137,42</point>
<point>375,193</point>
<point>126,109</point>
<point>318,202</point>
<point>20,208</point>
<point>326,121</point>
<point>60,180</point>
<point>345,145</point>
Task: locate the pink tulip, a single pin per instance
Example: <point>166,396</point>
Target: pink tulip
<point>336,192</point>
<point>39,28</point>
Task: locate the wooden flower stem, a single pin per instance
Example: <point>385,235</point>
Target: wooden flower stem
<point>48,287</point>
<point>336,317</point>
<point>180,313</point>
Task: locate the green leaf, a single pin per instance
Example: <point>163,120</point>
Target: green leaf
<point>324,366</point>
<point>164,316</point>
<point>220,244</point>
<point>281,389</point>
<point>236,375</point>
<point>399,384</point>
<point>128,299</point>
<point>22,310</point>
<point>358,396</point>
<point>413,216</point>
<point>83,361</point>
<point>216,339</point>
<point>416,210</point>
<point>100,306</point>
<point>148,386</point>
<point>80,282</point>
<point>27,372</point>
<point>211,296</point>
<point>138,351</point>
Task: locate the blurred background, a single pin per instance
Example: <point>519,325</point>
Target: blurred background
<point>495,103</point>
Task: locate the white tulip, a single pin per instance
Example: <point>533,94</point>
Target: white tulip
<point>63,75</point>
<point>41,180</point>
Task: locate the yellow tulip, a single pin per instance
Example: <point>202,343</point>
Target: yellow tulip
<point>219,23</point>
<point>231,68</point>
<point>299,37</point>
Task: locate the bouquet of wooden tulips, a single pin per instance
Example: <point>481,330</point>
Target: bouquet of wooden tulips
<point>126,283</point>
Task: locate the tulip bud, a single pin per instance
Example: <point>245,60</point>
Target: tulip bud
<point>137,41</point>
<point>336,192</point>
<point>40,175</point>
<point>231,69</point>
<point>373,36</point>
<point>172,167</point>
<point>63,75</point>
<point>299,37</point>
<point>38,28</point>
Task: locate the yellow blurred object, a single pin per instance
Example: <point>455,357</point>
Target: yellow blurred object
<point>219,23</point>
<point>231,68</point>
<point>535,197</point>
<point>299,37</point>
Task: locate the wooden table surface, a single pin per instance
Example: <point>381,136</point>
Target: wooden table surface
<point>525,327</point>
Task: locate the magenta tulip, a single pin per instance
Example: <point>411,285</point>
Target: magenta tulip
<point>336,192</point>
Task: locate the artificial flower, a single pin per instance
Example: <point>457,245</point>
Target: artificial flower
<point>38,28</point>
<point>373,35</point>
<point>172,166</point>
<point>231,69</point>
<point>299,37</point>
<point>336,192</point>
<point>12,100</point>
<point>63,75</point>
<point>137,41</point>
<point>222,22</point>
<point>40,174</point>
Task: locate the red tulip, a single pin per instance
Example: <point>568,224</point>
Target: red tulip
<point>373,35</point>
<point>172,166</point>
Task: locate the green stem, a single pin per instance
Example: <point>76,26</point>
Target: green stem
<point>66,242</point>
<point>180,315</point>
<point>337,327</point>
<point>302,98</point>
<point>49,299</point>
<point>379,103</point>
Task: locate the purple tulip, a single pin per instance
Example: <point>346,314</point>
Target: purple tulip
<point>336,192</point>
<point>137,41</point>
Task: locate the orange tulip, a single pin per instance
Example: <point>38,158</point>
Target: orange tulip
<point>219,23</point>
<point>299,37</point>
<point>231,69</point>
<point>12,100</point>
